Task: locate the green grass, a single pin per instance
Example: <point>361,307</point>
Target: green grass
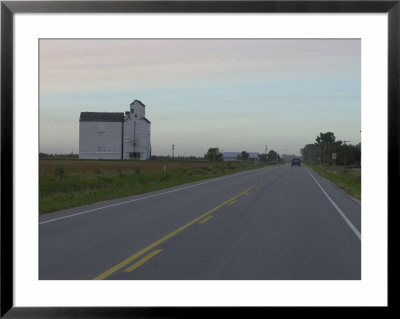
<point>85,183</point>
<point>346,178</point>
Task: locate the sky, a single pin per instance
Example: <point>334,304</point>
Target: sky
<point>234,94</point>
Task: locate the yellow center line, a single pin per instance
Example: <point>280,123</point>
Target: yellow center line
<point>205,219</point>
<point>232,202</point>
<point>166,237</point>
<point>142,261</point>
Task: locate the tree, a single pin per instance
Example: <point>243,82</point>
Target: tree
<point>213,154</point>
<point>326,144</point>
<point>244,156</point>
<point>273,156</point>
<point>310,153</point>
<point>324,141</point>
<point>348,154</point>
<point>262,157</point>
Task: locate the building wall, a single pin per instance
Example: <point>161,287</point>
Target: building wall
<point>233,156</point>
<point>115,140</point>
<point>100,140</point>
<point>254,157</point>
<point>230,159</point>
<point>141,128</point>
<point>137,133</point>
<point>138,109</point>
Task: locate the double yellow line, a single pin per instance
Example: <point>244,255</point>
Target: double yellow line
<point>122,264</point>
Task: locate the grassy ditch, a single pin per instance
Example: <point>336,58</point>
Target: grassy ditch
<point>70,183</point>
<point>346,178</point>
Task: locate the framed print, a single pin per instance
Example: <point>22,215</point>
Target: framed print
<point>216,95</point>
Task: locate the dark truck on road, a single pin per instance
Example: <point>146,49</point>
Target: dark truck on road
<point>296,161</point>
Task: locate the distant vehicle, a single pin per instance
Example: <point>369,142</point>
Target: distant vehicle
<point>296,161</point>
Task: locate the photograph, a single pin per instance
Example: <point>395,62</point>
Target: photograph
<point>199,159</point>
<point>180,159</point>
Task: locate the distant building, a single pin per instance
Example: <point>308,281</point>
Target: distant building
<point>253,156</point>
<point>237,156</point>
<point>105,135</point>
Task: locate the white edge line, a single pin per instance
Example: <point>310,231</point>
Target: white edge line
<point>141,198</point>
<point>353,228</point>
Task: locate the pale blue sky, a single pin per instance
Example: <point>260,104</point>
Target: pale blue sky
<point>232,94</point>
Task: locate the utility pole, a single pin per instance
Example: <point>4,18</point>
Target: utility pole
<point>173,148</point>
<point>265,152</point>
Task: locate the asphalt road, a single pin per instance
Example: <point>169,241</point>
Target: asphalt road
<point>274,223</point>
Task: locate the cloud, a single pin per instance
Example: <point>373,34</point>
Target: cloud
<point>76,65</point>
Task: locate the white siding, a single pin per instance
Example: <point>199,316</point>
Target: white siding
<point>231,159</point>
<point>253,156</point>
<point>100,140</point>
<point>105,140</point>
<point>232,156</point>
<point>138,110</point>
<point>141,140</point>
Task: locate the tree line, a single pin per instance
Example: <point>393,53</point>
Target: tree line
<point>174,158</point>
<point>326,150</point>
<point>58,156</point>
<point>214,154</point>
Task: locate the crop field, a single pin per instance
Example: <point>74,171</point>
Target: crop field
<point>70,183</point>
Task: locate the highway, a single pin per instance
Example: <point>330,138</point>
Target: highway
<point>274,223</point>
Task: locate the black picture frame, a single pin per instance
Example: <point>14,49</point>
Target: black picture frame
<point>9,8</point>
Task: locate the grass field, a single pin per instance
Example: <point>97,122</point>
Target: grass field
<point>71,183</point>
<point>347,178</point>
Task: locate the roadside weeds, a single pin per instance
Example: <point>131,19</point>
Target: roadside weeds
<point>348,179</point>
